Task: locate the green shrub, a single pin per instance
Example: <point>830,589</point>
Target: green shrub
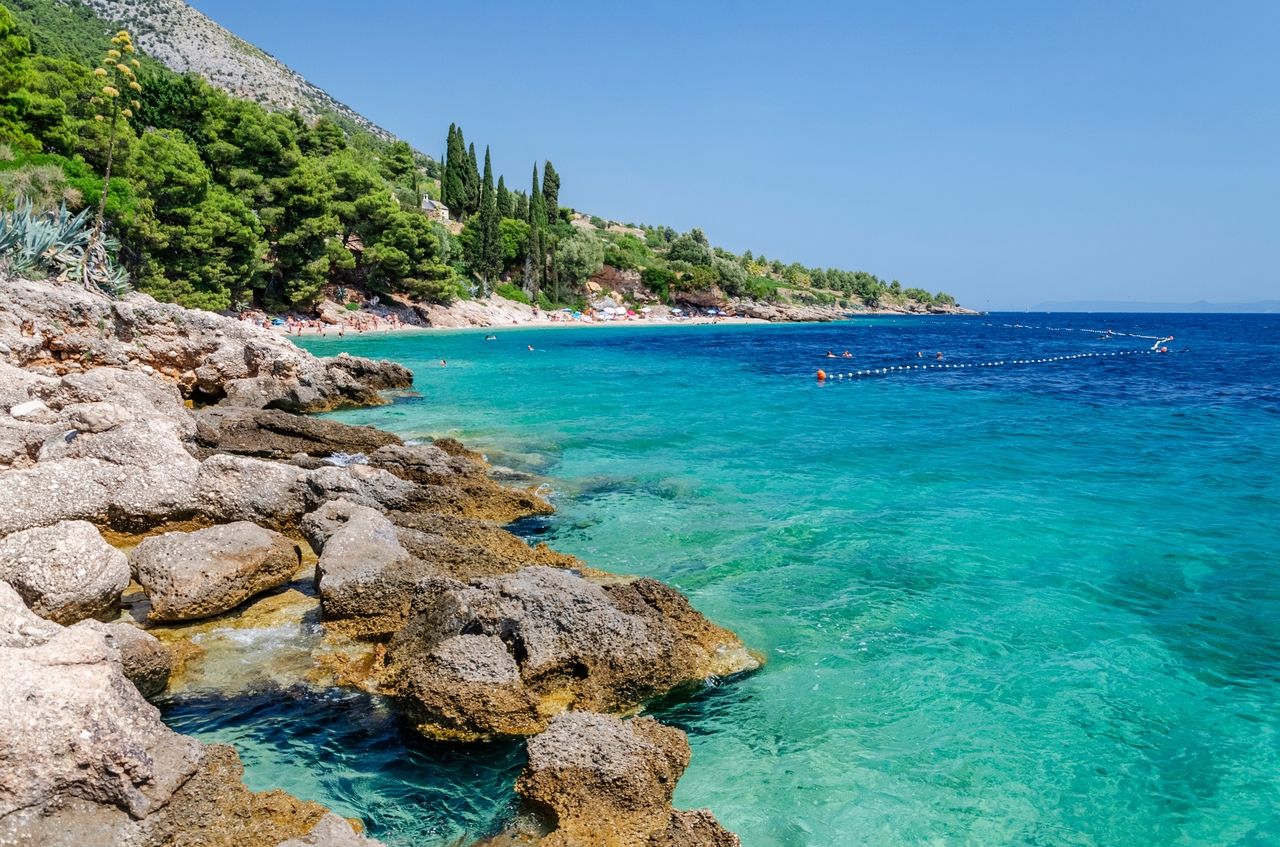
<point>512,292</point>
<point>353,307</point>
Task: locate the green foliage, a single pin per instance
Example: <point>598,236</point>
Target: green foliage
<point>551,191</point>
<point>512,292</point>
<point>578,257</point>
<point>692,247</point>
<point>55,242</point>
<point>513,237</point>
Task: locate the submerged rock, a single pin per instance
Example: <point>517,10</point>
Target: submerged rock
<point>65,572</point>
<point>573,643</point>
<point>191,575</point>
<point>598,780</point>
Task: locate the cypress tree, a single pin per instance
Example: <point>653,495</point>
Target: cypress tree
<point>505,206</point>
<point>453,190</point>
<point>520,206</point>
<point>536,261</point>
<point>551,192</point>
<point>472,180</point>
<point>490,244</point>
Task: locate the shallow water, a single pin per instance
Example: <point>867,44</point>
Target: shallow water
<point>1019,604</point>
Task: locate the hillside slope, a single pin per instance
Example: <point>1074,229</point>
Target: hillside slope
<point>184,39</point>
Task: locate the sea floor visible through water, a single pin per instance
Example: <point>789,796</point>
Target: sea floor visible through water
<point>1035,602</point>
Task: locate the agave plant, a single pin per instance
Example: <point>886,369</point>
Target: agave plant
<point>59,243</point>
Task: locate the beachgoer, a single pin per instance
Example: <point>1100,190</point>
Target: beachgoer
<point>830,355</point>
<point>939,356</point>
<point>919,354</point>
<point>443,363</point>
<point>846,355</point>
<point>530,346</point>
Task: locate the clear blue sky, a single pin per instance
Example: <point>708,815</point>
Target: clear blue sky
<point>1007,152</point>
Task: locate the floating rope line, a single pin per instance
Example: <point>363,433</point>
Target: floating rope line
<point>1109,333</point>
<point>947,366</point>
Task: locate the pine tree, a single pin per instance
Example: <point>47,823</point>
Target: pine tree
<point>490,243</point>
<point>472,180</point>
<point>505,205</point>
<point>551,192</point>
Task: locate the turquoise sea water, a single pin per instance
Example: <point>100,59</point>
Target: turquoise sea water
<point>1020,604</point>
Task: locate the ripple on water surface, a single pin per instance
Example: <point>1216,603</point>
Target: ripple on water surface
<point>351,752</point>
<point>1035,604</point>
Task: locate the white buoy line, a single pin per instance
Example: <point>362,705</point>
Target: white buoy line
<point>1107,332</point>
<point>992,364</point>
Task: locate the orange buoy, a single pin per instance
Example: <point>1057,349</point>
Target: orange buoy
<point>822,376</point>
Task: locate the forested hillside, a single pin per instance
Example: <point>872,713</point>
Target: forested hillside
<point>217,201</point>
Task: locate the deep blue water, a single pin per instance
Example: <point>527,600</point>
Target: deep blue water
<point>1024,603</point>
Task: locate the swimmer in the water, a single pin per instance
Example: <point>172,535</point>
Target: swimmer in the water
<point>443,363</point>
<point>939,356</point>
<point>830,355</point>
<point>846,355</point>
<point>530,346</point>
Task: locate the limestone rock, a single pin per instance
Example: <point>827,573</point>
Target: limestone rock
<point>65,572</point>
<point>191,575</point>
<point>597,779</point>
<point>576,644</point>
<point>145,659</point>
<point>272,433</point>
<point>239,488</point>
<point>72,726</point>
<point>364,572</point>
<point>332,831</point>
<point>67,329</point>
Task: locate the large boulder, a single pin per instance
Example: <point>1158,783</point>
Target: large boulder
<point>598,780</point>
<point>191,575</point>
<point>575,645</point>
<point>240,488</point>
<point>364,575</point>
<point>65,572</point>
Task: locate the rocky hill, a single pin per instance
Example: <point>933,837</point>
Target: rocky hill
<point>185,39</point>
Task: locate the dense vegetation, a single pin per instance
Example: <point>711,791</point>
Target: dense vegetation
<point>216,201</point>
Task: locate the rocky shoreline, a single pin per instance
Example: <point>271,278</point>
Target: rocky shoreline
<point>157,473</point>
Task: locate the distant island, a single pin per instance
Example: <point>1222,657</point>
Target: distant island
<point>1262,307</point>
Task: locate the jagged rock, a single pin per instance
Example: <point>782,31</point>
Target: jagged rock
<point>360,484</point>
<point>146,661</point>
<point>65,572</point>
<point>191,575</point>
<point>66,328</point>
<point>364,572</point>
<point>72,726</point>
<point>576,644</point>
<point>369,563</point>
<point>272,433</point>
<point>599,780</point>
<point>239,488</point>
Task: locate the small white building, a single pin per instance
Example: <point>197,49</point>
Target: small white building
<point>435,210</point>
